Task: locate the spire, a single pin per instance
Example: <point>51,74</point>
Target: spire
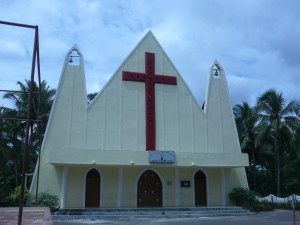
<point>71,97</point>
<point>221,125</point>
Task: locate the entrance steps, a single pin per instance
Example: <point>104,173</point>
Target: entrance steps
<point>124,213</point>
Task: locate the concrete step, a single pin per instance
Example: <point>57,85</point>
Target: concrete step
<point>151,209</point>
<point>70,214</point>
<point>55,218</point>
<point>150,212</point>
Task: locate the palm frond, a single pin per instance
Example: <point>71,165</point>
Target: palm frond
<point>292,108</point>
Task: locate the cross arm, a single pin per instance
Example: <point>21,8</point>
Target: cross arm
<point>133,76</point>
<point>162,79</point>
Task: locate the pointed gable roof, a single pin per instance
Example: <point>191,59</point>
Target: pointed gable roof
<point>112,129</point>
<point>130,98</point>
<point>148,38</point>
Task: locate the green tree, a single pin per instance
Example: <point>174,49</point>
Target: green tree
<point>291,159</point>
<point>11,144</point>
<point>12,133</point>
<point>91,96</point>
<point>41,107</point>
<point>246,119</point>
<point>280,122</point>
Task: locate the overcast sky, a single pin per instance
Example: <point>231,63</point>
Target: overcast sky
<point>256,41</point>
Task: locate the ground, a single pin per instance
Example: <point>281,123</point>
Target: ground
<point>31,216</point>
<point>278,217</point>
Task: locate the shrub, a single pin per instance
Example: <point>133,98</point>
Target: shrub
<point>14,198</point>
<point>262,206</point>
<point>287,205</point>
<point>243,197</point>
<point>45,199</point>
<point>297,206</point>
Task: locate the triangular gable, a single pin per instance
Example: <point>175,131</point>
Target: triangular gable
<point>122,122</point>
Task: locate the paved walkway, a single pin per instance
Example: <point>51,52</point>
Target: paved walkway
<point>278,217</point>
<point>31,216</point>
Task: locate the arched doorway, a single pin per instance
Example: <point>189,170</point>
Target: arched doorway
<point>149,190</point>
<point>200,189</point>
<point>92,189</point>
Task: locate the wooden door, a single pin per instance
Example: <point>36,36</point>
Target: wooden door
<point>149,193</point>
<point>92,189</point>
<point>200,189</point>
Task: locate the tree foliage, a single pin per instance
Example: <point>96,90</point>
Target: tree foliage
<point>12,139</point>
<point>45,199</point>
<point>14,198</point>
<point>243,197</point>
<point>12,134</point>
<point>269,132</point>
<point>91,96</point>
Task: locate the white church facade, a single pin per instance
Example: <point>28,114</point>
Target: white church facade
<point>143,141</point>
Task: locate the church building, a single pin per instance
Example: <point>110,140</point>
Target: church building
<point>144,141</point>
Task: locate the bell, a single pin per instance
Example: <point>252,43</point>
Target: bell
<point>71,59</point>
<point>216,73</point>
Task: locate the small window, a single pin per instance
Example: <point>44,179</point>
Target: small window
<point>74,58</point>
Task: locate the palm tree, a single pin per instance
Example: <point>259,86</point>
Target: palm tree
<point>3,144</point>
<point>246,119</point>
<point>40,110</point>
<point>15,130</point>
<point>11,140</point>
<point>20,100</point>
<point>280,123</point>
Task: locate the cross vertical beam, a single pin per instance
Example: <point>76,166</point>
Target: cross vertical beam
<point>150,79</point>
<point>150,101</point>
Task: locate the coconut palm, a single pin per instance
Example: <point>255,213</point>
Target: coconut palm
<point>280,123</point>
<point>39,110</point>
<point>15,130</point>
<point>11,144</point>
<point>247,119</point>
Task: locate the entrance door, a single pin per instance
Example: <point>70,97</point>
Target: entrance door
<point>149,193</point>
<point>200,189</point>
<point>92,189</point>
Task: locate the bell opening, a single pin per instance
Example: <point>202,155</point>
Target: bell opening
<point>74,58</point>
<point>216,71</point>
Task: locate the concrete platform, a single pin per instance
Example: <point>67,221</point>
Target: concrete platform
<point>116,213</point>
<point>278,217</point>
<point>31,216</point>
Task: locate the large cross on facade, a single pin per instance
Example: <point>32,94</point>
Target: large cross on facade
<point>150,79</point>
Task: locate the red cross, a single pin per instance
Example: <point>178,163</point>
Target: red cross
<point>149,78</point>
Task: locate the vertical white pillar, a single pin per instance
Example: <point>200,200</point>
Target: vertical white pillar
<point>177,187</point>
<point>120,188</point>
<point>64,183</point>
<point>223,187</point>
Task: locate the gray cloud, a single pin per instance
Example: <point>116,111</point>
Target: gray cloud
<point>255,41</point>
